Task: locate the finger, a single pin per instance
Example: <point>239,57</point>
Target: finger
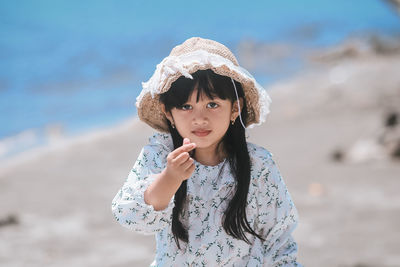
<point>188,163</point>
<point>181,149</point>
<point>181,158</point>
<point>189,171</point>
<point>186,141</point>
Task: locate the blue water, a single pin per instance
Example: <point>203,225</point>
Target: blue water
<point>80,64</point>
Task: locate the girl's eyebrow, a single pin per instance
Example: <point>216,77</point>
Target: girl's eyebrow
<point>216,99</point>
<point>211,100</point>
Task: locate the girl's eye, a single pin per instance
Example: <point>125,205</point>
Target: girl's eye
<point>212,105</point>
<point>186,107</point>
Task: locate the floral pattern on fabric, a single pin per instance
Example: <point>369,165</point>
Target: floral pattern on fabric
<point>270,211</point>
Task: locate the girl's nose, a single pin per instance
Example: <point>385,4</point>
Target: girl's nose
<point>199,118</point>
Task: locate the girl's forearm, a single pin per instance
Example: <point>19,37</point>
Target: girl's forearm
<point>161,190</point>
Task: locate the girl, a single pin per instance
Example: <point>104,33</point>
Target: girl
<point>211,198</point>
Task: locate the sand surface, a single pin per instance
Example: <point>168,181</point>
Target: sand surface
<point>59,198</point>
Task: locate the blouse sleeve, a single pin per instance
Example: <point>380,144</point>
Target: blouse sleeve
<point>129,207</point>
<point>277,218</point>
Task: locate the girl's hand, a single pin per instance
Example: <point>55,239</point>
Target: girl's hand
<point>180,165</point>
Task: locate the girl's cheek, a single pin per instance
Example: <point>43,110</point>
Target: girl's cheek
<point>181,114</point>
<point>184,115</point>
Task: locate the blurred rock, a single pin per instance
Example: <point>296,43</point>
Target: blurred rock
<point>9,220</point>
<point>383,46</point>
<point>383,144</point>
<point>395,4</point>
<point>265,57</point>
<point>391,119</point>
<point>349,49</point>
<point>390,138</point>
<point>337,155</point>
<point>359,47</point>
<point>365,150</point>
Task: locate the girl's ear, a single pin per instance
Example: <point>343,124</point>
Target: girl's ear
<point>167,114</point>
<point>235,108</point>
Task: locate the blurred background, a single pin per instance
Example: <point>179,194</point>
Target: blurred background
<point>69,75</point>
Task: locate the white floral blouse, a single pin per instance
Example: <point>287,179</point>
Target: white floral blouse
<point>270,211</point>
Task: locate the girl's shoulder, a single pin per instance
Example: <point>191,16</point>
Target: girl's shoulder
<point>259,155</point>
<point>262,164</point>
<point>158,147</point>
<point>264,169</point>
<point>161,141</point>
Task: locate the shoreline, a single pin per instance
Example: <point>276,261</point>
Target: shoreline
<point>65,143</point>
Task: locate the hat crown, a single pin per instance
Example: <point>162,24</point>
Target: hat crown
<point>197,43</point>
<point>192,55</point>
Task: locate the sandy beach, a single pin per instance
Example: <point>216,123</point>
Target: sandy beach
<point>325,131</point>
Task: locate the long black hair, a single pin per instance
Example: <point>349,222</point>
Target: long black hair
<point>233,143</point>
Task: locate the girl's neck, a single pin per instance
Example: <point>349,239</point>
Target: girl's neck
<point>209,157</point>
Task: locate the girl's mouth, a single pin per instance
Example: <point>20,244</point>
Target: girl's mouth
<point>201,133</point>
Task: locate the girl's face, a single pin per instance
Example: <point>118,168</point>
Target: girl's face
<point>205,121</point>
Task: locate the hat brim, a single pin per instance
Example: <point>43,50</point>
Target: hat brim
<point>173,67</point>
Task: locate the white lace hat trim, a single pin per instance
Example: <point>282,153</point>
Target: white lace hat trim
<point>174,66</point>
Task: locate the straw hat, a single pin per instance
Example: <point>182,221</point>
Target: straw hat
<point>192,55</point>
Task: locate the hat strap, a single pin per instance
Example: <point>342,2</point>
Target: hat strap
<point>238,103</point>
